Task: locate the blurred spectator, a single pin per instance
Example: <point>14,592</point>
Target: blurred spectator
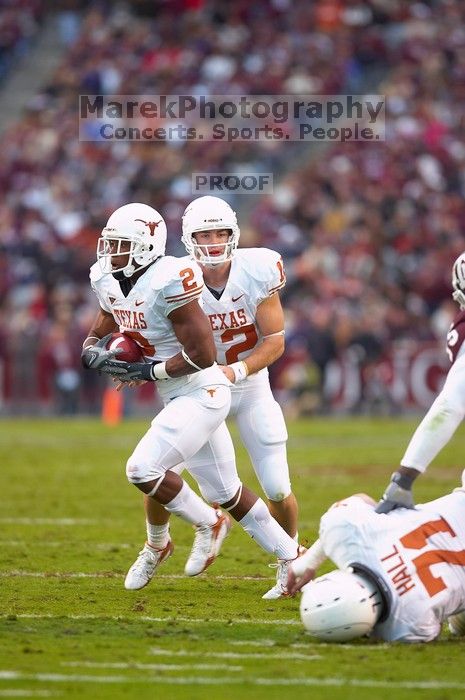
<point>19,23</point>
<point>368,230</point>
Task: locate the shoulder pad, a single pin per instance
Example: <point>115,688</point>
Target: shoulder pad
<point>181,283</point>
<point>260,263</point>
<point>96,273</point>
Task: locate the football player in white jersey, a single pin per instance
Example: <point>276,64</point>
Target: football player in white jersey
<point>155,299</point>
<point>401,574</point>
<point>445,414</point>
<point>241,302</point>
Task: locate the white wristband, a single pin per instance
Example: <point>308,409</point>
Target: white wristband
<point>90,337</point>
<point>189,361</point>
<point>159,371</point>
<point>240,370</point>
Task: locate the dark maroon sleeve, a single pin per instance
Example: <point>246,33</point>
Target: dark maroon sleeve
<point>456,336</point>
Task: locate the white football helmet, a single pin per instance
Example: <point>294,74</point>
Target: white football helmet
<point>140,225</point>
<point>209,214</point>
<point>340,606</point>
<point>458,281</point>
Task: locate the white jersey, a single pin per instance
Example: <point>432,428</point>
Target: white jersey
<point>144,313</point>
<point>255,275</point>
<point>420,555</point>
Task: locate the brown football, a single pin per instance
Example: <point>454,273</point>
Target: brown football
<point>131,351</point>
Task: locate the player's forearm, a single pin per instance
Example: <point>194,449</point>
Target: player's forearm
<point>103,324</point>
<point>312,559</point>
<point>191,359</point>
<point>441,421</point>
<point>265,354</point>
<point>433,433</point>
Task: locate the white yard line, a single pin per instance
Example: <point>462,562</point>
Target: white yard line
<point>273,643</point>
<point>235,655</point>
<point>198,680</point>
<point>254,643</point>
<point>47,521</point>
<point>18,693</point>
<point>58,574</point>
<point>148,618</point>
<point>40,543</point>
<point>152,667</point>
<point>113,574</point>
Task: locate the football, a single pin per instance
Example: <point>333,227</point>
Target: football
<point>131,351</point>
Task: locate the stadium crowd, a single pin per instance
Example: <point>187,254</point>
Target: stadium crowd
<point>19,23</point>
<point>368,231</point>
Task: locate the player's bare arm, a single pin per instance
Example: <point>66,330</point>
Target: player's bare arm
<point>95,353</point>
<point>104,323</point>
<point>270,321</point>
<point>192,329</point>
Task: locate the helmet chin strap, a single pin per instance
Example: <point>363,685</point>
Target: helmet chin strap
<point>129,271</point>
<point>132,270</point>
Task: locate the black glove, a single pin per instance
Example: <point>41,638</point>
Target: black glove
<point>129,371</point>
<point>397,495</point>
<point>94,356</point>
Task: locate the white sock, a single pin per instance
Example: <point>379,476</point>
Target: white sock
<point>191,508</point>
<point>267,532</point>
<point>158,535</point>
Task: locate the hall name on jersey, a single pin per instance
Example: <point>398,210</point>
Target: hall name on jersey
<point>398,571</point>
<point>231,319</point>
<point>131,320</point>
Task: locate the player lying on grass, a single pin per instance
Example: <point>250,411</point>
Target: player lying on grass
<point>154,299</point>
<point>400,574</point>
<point>241,299</point>
<point>445,414</point>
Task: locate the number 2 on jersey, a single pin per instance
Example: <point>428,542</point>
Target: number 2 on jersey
<point>249,342</point>
<point>417,539</point>
<point>188,279</point>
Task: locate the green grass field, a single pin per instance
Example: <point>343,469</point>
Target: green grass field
<point>71,525</point>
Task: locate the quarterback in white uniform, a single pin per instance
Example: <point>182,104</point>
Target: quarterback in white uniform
<point>155,299</point>
<point>241,302</point>
<point>408,566</point>
<point>444,416</point>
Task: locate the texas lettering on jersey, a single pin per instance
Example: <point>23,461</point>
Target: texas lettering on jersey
<point>131,320</point>
<point>144,312</point>
<point>255,275</point>
<point>233,319</point>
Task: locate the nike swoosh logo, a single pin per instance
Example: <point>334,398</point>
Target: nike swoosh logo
<point>138,303</point>
<point>237,298</point>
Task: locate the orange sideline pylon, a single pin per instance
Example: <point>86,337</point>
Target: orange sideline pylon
<point>112,406</point>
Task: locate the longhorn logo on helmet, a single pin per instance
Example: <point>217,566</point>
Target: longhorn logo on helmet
<point>151,224</point>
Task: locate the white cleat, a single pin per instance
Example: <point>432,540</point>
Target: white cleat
<point>207,544</point>
<point>279,590</point>
<point>143,569</point>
